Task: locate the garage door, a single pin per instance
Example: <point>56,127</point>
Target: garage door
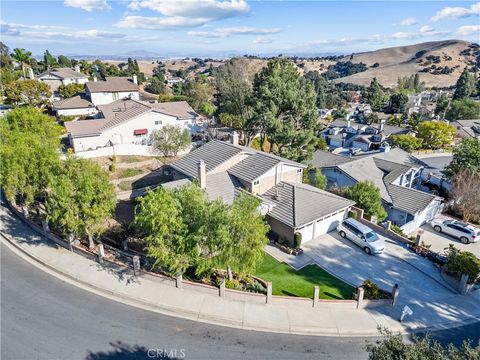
<point>328,224</point>
<point>307,233</point>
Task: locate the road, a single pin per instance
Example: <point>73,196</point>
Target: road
<point>44,318</point>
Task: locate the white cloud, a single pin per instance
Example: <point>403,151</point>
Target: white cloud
<point>262,40</point>
<point>468,30</point>
<point>226,32</point>
<point>457,12</point>
<point>408,21</point>
<point>88,5</point>
<point>48,32</point>
<point>182,13</point>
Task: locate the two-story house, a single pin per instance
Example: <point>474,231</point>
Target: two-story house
<point>224,169</point>
<point>112,89</point>
<point>62,76</point>
<point>395,173</point>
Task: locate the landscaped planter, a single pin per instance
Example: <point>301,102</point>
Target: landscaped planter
<point>454,283</point>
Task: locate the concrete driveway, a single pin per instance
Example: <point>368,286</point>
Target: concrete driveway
<point>439,241</point>
<point>419,280</point>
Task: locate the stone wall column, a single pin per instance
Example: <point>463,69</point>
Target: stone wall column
<point>463,287</point>
<point>179,280</point>
<point>101,253</point>
<point>221,289</point>
<point>395,294</point>
<point>360,296</point>
<point>269,292</point>
<point>316,295</point>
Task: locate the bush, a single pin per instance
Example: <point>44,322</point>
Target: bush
<point>114,158</point>
<point>297,240</point>
<point>462,262</point>
<point>112,167</point>
<point>372,291</point>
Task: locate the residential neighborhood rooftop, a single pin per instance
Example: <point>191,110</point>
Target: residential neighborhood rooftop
<point>112,84</point>
<point>64,73</point>
<point>76,102</point>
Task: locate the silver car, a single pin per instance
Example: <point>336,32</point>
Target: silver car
<point>465,232</point>
<point>361,235</point>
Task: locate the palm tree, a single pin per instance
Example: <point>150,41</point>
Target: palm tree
<point>23,57</point>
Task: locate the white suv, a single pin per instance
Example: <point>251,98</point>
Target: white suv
<point>465,232</point>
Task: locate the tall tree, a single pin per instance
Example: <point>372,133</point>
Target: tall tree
<point>23,57</point>
<point>464,87</point>
<point>466,195</point>
<point>375,95</point>
<point>48,60</point>
<point>5,58</point>
<point>80,198</point>
<point>64,61</point>
<point>397,103</point>
<point>234,83</point>
<point>466,156</point>
<point>286,110</point>
<point>465,109</point>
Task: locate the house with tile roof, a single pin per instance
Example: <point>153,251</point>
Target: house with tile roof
<point>78,105</point>
<point>224,169</point>
<point>101,92</point>
<point>395,173</point>
<point>129,122</point>
<point>467,128</point>
<point>62,76</point>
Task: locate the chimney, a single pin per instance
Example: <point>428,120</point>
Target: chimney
<point>95,79</point>
<point>135,79</point>
<point>77,68</point>
<point>31,75</point>
<point>234,138</point>
<point>382,125</point>
<point>202,175</point>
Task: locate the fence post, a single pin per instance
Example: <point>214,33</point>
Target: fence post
<point>463,284</point>
<point>360,296</point>
<point>395,294</point>
<point>316,295</point>
<point>419,236</point>
<point>179,280</point>
<point>101,253</point>
<point>45,227</point>
<point>70,241</point>
<point>221,290</point>
<point>136,265</point>
<point>388,227</point>
<point>269,292</point>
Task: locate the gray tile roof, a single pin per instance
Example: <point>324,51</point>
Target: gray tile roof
<point>76,102</point>
<point>216,153</point>
<point>179,109</point>
<point>112,84</point>
<point>326,159</point>
<point>64,73</point>
<point>409,200</point>
<point>299,204</point>
<point>253,167</point>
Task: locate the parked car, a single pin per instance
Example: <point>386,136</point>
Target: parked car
<point>464,232</point>
<point>361,235</point>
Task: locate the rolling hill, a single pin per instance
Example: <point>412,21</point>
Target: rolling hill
<point>438,63</point>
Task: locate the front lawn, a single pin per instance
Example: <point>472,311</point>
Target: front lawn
<point>286,281</point>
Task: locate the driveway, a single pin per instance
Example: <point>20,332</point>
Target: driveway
<point>439,241</point>
<point>419,280</point>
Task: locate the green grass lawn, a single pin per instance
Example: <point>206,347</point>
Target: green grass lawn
<point>286,281</point>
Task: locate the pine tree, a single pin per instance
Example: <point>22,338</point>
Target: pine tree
<point>463,87</point>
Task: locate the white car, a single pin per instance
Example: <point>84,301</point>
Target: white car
<point>361,235</point>
<point>464,232</point>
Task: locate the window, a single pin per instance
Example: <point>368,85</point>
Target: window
<point>158,122</point>
<point>256,182</point>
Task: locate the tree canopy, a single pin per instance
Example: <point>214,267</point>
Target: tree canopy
<point>367,196</point>
<point>464,109</point>
<point>171,139</point>
<point>465,85</point>
<point>466,156</point>
<point>376,96</point>
<point>28,92</point>
<point>185,232</point>
<point>436,134</point>
<point>69,90</point>
<point>406,142</point>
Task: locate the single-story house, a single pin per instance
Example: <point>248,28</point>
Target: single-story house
<point>62,76</point>
<point>112,89</point>
<point>395,173</point>
<point>467,128</point>
<point>224,169</point>
<point>128,122</point>
<point>76,105</point>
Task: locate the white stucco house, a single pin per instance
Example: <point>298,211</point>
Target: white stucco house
<point>78,105</point>
<point>112,89</point>
<point>62,76</point>
<point>129,122</point>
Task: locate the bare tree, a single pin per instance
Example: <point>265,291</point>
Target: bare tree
<point>466,194</point>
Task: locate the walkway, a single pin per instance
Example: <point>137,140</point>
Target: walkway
<point>281,316</point>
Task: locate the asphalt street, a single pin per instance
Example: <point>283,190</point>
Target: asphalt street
<point>45,318</point>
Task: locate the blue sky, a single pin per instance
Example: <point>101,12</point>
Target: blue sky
<point>225,27</point>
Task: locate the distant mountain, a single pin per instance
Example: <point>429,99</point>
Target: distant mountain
<point>438,63</point>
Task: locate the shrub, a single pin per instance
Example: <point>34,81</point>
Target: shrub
<point>112,167</point>
<point>114,158</point>
<point>462,262</point>
<point>231,284</point>
<point>297,240</point>
<point>372,291</point>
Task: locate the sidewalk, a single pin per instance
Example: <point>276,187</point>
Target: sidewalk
<point>333,319</point>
